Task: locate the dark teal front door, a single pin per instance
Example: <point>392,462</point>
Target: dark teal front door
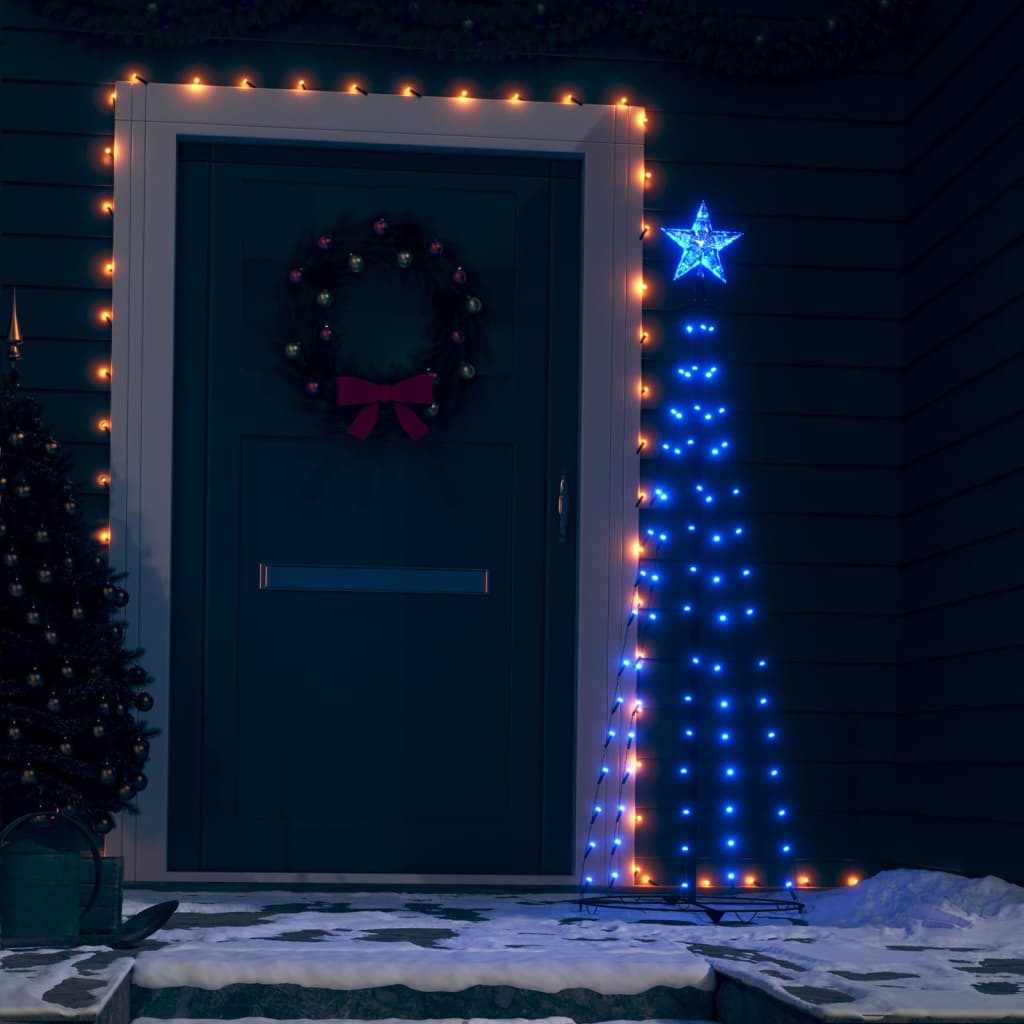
<point>373,642</point>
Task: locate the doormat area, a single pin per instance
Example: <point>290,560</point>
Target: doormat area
<point>916,946</point>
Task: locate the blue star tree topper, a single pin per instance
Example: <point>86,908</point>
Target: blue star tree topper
<point>701,245</point>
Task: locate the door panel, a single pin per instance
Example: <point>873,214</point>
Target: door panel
<point>367,731</point>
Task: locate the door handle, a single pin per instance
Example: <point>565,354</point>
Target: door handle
<point>563,507</point>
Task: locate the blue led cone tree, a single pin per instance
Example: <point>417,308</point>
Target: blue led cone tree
<point>733,823</point>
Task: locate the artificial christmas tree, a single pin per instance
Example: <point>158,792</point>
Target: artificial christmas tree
<point>69,739</point>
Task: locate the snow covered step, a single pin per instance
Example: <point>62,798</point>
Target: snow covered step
<point>285,981</point>
<point>396,1020</point>
<point>88,984</point>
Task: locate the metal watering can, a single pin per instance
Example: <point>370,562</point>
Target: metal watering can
<point>39,898</point>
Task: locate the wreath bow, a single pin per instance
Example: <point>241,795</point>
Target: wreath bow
<point>418,390</point>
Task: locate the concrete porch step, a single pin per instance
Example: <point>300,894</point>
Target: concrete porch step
<point>398,1020</point>
<point>399,1002</point>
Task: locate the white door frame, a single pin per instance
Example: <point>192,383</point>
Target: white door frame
<point>150,119</point>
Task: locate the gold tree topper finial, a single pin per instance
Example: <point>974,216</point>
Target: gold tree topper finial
<point>14,331</point>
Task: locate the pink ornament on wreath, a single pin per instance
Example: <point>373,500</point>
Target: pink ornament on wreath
<point>295,275</point>
<point>326,334</point>
<point>324,242</point>
<point>380,226</point>
<point>436,248</point>
<point>312,388</point>
<point>459,275</point>
<point>457,337</point>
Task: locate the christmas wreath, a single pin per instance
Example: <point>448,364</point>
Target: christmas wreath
<point>432,377</point>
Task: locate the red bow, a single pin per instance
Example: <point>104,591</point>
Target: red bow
<point>417,390</point>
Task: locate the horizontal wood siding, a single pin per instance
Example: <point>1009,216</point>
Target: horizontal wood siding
<point>843,336</point>
<point>960,774</point>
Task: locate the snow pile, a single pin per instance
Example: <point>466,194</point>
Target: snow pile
<point>919,899</point>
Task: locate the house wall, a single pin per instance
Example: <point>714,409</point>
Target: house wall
<point>816,176</point>
<point>953,791</point>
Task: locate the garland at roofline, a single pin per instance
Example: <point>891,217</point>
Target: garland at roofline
<point>721,42</point>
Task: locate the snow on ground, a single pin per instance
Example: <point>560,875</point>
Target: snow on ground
<point>902,942</point>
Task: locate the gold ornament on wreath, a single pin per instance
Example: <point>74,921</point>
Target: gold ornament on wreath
<point>436,372</point>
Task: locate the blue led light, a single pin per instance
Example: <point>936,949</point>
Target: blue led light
<point>700,419</point>
<point>592,844</point>
<point>589,879</point>
<point>616,841</point>
<point>786,848</point>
